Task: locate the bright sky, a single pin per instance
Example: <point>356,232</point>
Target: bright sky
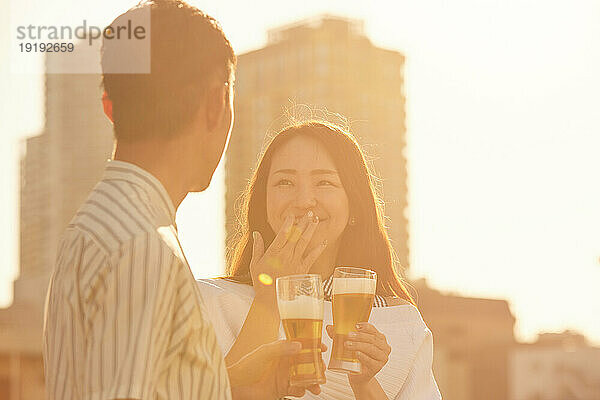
<point>503,143</point>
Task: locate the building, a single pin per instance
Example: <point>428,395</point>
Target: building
<point>323,66</point>
<point>58,169</point>
<point>473,338</point>
<point>558,366</point>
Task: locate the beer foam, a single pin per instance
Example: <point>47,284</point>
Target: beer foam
<point>302,307</point>
<point>353,285</point>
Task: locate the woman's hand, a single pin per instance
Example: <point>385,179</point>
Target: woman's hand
<point>285,255</point>
<point>372,350</point>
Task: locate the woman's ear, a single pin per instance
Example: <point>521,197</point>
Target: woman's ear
<point>108,107</point>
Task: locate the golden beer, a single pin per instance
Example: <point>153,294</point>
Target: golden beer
<point>348,310</point>
<point>300,303</point>
<point>352,303</point>
<point>307,366</point>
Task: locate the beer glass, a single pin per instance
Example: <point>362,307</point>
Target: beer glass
<point>353,291</point>
<point>300,303</point>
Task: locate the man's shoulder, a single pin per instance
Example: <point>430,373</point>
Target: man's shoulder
<point>144,259</point>
<point>140,241</point>
<point>113,218</point>
<point>150,243</point>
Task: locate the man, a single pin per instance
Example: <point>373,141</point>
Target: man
<point>124,318</point>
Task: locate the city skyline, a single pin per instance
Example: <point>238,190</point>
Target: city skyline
<point>513,156</point>
<point>474,336</point>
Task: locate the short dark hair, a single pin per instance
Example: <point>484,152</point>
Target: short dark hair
<point>187,47</point>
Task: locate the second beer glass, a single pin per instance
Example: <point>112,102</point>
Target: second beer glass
<point>353,291</point>
<point>300,302</point>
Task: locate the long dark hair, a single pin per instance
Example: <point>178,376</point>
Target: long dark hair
<point>365,244</point>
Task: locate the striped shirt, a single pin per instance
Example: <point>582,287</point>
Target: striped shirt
<point>124,318</point>
<point>379,301</point>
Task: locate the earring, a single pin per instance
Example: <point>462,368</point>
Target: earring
<point>352,221</point>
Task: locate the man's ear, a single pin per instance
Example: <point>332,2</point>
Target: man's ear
<point>108,107</point>
<point>216,97</point>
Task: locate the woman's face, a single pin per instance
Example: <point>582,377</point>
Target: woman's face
<point>304,178</point>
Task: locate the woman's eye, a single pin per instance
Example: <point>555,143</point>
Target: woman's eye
<point>284,182</point>
<point>325,183</point>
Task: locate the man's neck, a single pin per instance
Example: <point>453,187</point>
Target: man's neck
<point>164,165</point>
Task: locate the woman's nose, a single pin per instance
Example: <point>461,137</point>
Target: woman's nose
<point>305,198</point>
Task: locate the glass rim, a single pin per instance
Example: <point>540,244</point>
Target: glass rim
<point>360,272</point>
<point>297,277</point>
<point>288,282</point>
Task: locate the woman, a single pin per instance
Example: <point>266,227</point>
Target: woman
<point>311,206</point>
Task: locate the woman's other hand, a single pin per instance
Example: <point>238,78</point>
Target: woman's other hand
<point>372,350</point>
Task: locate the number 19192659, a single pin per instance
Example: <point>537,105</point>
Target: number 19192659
<point>47,47</point>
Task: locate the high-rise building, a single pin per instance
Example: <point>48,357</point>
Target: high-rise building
<point>473,338</point>
<point>557,366</point>
<point>58,170</point>
<point>323,66</point>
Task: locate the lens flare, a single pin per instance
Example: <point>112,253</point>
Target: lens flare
<point>265,279</point>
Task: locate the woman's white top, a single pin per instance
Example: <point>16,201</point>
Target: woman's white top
<point>407,375</point>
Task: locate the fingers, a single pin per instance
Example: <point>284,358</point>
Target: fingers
<point>367,328</point>
<point>329,329</point>
<point>283,380</point>
<point>362,337</point>
<point>258,246</point>
<point>299,228</point>
<point>373,366</point>
<point>314,389</point>
<point>314,254</point>
<point>371,339</point>
<point>296,233</point>
<point>282,377</point>
<point>291,242</point>
<point>283,235</point>
<point>368,349</point>
<point>279,348</point>
<point>380,339</point>
<point>307,229</point>
<point>296,391</point>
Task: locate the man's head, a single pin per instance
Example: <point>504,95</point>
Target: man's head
<point>189,87</point>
